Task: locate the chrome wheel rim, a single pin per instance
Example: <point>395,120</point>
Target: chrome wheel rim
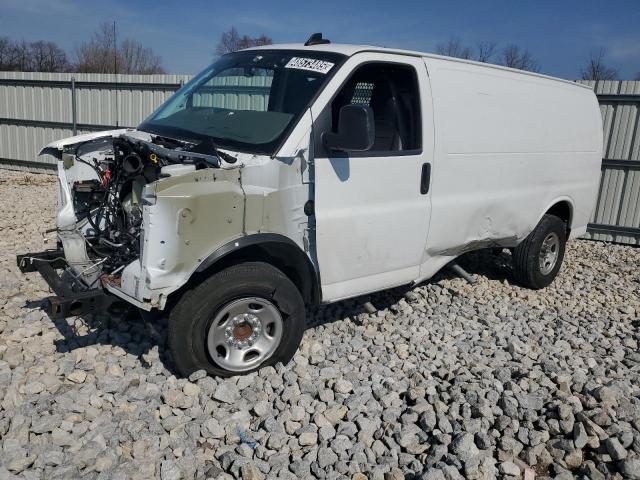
<point>244,333</point>
<point>549,253</point>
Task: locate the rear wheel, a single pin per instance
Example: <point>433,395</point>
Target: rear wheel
<point>537,260</point>
<point>238,320</point>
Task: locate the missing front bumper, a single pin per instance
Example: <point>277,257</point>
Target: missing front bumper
<point>66,302</point>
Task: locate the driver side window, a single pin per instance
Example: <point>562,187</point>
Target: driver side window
<point>391,90</point>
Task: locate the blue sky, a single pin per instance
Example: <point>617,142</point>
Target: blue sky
<point>559,33</point>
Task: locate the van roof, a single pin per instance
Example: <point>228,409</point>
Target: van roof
<point>349,50</point>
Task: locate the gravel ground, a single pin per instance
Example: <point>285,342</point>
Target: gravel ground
<point>445,381</point>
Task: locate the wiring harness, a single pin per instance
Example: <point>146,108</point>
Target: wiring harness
<point>111,204</point>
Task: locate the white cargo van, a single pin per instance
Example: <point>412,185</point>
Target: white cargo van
<point>292,175</point>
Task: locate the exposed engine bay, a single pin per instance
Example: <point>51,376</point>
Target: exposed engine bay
<point>111,203</point>
<point>140,213</point>
<point>106,196</point>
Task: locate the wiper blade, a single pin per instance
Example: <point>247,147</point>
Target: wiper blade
<point>226,157</point>
<point>210,145</point>
<point>171,142</point>
<point>189,146</point>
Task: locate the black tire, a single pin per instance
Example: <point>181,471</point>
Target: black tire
<point>191,317</point>
<point>526,256</point>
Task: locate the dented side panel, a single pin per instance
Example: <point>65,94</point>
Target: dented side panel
<point>507,148</point>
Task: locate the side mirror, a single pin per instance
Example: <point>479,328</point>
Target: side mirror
<point>356,130</point>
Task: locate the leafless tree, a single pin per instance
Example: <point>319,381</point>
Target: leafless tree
<point>258,41</point>
<point>37,56</point>
<point>485,51</point>
<point>515,57</point>
<point>596,69</point>
<point>136,58</point>
<point>19,57</point>
<point>232,41</point>
<point>47,57</point>
<point>229,42</point>
<point>100,55</point>
<point>453,48</point>
<point>6,47</point>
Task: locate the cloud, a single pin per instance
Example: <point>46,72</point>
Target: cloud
<point>625,50</point>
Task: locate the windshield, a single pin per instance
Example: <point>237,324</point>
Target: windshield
<point>245,101</point>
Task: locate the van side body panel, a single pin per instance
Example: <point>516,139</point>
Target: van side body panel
<point>508,146</point>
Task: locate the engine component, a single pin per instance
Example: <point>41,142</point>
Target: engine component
<point>110,206</point>
<point>132,164</point>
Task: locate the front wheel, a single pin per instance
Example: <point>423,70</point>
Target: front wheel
<point>240,319</point>
<point>537,260</point>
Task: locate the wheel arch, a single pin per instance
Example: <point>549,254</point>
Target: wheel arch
<point>274,249</point>
<point>563,209</point>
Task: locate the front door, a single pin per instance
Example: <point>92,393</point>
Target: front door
<point>372,208</point>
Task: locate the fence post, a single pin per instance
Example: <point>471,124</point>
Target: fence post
<point>73,106</point>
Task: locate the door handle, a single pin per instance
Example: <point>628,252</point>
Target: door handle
<point>425,179</point>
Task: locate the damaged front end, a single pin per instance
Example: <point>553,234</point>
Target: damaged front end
<point>108,190</point>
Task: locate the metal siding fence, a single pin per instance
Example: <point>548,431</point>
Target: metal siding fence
<point>36,109</point>
<point>616,217</point>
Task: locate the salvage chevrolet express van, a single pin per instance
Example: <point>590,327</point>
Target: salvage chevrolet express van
<point>292,175</point>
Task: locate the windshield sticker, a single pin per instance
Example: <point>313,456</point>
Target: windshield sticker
<point>311,64</point>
